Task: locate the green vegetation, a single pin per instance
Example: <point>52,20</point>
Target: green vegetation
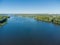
<point>3,20</point>
<point>57,20</point>
<point>50,18</point>
<point>44,18</point>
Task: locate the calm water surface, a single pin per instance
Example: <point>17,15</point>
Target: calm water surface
<point>27,31</point>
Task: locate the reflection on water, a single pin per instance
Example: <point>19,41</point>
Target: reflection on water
<point>27,31</point>
<point>3,23</point>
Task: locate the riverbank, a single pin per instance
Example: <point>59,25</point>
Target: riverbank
<point>50,18</point>
<point>3,20</point>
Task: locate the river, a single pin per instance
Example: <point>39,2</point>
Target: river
<point>28,31</point>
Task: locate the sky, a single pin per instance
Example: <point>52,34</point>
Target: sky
<point>30,6</point>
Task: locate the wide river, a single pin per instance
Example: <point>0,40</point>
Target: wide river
<point>28,31</point>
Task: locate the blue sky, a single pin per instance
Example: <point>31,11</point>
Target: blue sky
<point>30,6</point>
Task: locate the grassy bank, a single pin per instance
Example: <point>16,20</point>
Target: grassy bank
<point>3,20</point>
<point>50,18</point>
